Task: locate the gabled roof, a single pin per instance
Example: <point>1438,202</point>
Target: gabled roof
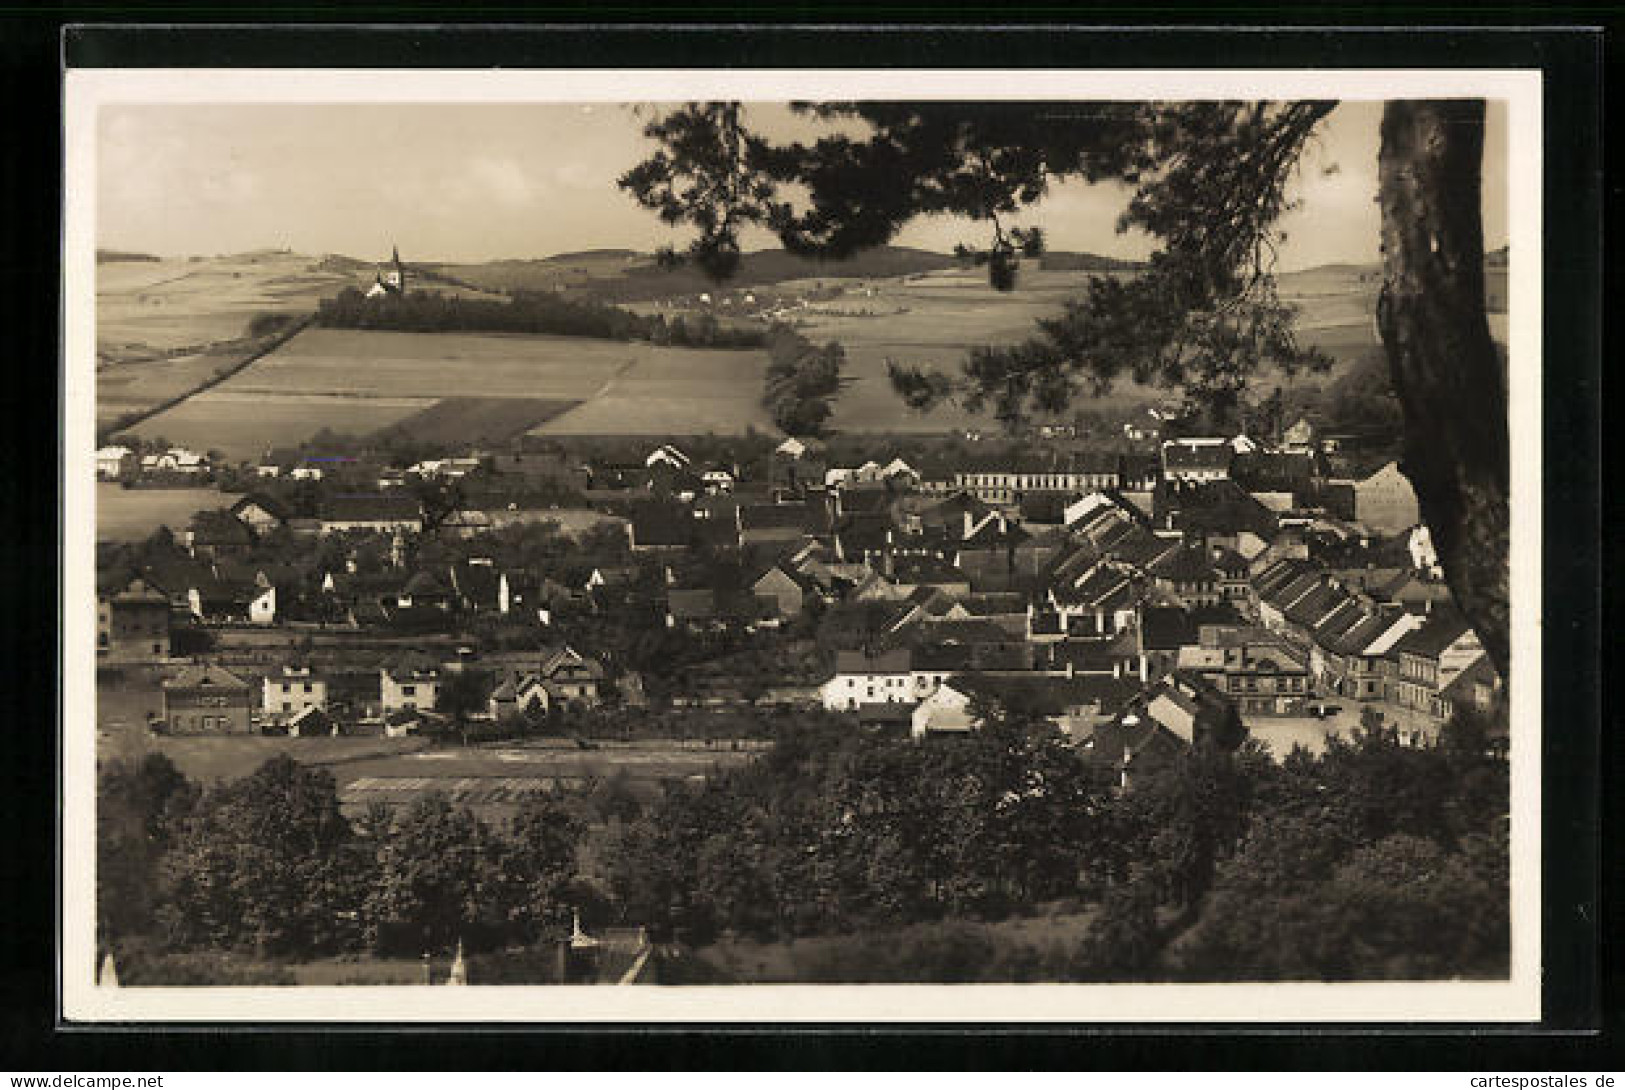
<point>803,517</point>
<point>656,524</point>
<point>219,528</point>
<point>1197,454</point>
<point>1442,628</point>
<point>425,583</point>
<point>269,504</point>
<point>994,533</point>
<point>1313,607</point>
<point>378,507</point>
<point>954,509</point>
<point>1215,507</point>
<point>1102,583</point>
<point>1187,564</point>
<point>927,569</point>
<point>139,592</point>
<point>564,658</point>
<point>996,603</point>
<point>699,604</point>
<point>1166,628</point>
<point>1480,672</point>
<point>965,633</point>
<point>1129,741</point>
<point>1356,637</point>
<point>898,661</point>
<point>205,675</point>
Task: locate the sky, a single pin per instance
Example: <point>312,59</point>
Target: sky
<point>477,182</point>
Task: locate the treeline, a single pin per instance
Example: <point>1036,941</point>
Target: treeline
<point>530,313</point>
<point>802,381</point>
<point>268,867</point>
<point>1371,861</point>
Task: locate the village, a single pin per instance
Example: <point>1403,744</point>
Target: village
<point>1136,595</point>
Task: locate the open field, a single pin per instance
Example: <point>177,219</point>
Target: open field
<point>243,425</point>
<point>361,381</point>
<point>164,327</point>
<point>131,514</point>
<point>479,420</point>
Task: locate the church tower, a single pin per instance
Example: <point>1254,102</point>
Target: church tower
<point>395,276</point>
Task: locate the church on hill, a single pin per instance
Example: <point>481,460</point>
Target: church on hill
<point>391,278</point>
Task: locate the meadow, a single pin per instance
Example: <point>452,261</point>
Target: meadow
<point>480,420</point>
<point>453,385</point>
<point>132,514</point>
<point>362,381</point>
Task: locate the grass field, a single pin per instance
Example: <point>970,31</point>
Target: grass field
<point>453,385</point>
<point>479,420</point>
<point>131,514</point>
<point>242,425</point>
<point>361,381</point>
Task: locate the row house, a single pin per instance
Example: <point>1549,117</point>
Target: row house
<point>1100,602</point>
<point>385,513</point>
<point>1430,658</point>
<point>1197,460</point>
<point>1006,484</point>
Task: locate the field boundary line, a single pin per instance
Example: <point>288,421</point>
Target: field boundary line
<point>141,417</point>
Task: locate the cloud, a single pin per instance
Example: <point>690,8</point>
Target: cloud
<point>502,179</point>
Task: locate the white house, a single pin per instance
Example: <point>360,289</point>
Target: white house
<point>408,688</point>
<point>110,462</point>
<point>863,678</point>
<point>291,691</point>
<point>174,460</point>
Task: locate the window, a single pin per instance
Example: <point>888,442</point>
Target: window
<point>287,706</point>
<point>307,686</point>
<point>409,690</point>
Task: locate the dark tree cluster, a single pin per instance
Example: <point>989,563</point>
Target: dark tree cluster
<point>802,382</point>
<point>532,313</point>
<point>267,867</point>
<point>1371,861</point>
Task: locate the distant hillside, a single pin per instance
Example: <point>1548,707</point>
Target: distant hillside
<point>107,257</point>
<point>627,276</point>
<point>1075,261</point>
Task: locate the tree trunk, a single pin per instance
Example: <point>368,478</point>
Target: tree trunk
<point>1445,368</point>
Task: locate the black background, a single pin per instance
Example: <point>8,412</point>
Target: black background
<point>1582,869</point>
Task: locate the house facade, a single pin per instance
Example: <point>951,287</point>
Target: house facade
<point>290,691</point>
<point>408,688</point>
<point>1385,501</point>
<point>208,699</point>
<point>136,627</point>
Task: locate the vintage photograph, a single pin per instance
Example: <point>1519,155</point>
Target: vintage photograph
<point>823,538</point>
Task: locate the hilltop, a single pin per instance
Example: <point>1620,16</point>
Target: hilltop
<point>630,276</point>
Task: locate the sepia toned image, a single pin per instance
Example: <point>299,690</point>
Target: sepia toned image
<point>612,543</point>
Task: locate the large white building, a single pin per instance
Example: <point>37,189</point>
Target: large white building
<point>292,690</point>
